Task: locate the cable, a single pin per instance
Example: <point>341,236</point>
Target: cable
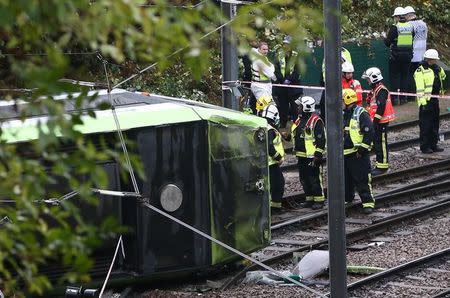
<point>179,50</point>
<point>148,205</point>
<point>174,6</point>
<point>44,54</point>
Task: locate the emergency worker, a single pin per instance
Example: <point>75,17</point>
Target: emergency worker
<point>287,73</point>
<point>400,41</point>
<point>349,82</point>
<point>345,57</point>
<point>429,78</point>
<point>276,155</point>
<point>263,71</point>
<point>419,44</point>
<point>358,134</point>
<point>263,101</point>
<point>381,112</point>
<point>308,133</point>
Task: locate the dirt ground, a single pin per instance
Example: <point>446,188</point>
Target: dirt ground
<point>410,111</point>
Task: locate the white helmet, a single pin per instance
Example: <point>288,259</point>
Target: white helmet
<point>431,54</point>
<point>308,103</point>
<point>373,74</point>
<point>409,9</point>
<point>347,67</point>
<point>271,112</point>
<point>399,11</point>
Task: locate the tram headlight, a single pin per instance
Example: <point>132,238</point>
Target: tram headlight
<point>171,197</point>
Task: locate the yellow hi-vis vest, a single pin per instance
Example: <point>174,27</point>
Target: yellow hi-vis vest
<point>281,56</point>
<point>259,76</point>
<point>345,57</point>
<point>278,144</point>
<point>424,78</point>
<point>355,131</point>
<point>308,134</point>
<point>405,36</point>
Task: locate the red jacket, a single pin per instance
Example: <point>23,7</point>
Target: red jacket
<point>355,85</point>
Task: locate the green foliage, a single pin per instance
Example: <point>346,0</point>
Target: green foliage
<point>43,41</point>
<point>365,20</point>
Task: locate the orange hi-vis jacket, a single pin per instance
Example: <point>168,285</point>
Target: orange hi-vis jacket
<point>356,86</point>
<point>389,113</point>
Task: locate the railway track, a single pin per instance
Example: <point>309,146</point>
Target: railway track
<point>393,145</point>
<point>412,175</point>
<point>396,208</point>
<point>394,277</point>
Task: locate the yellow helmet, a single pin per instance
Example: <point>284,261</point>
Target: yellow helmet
<point>349,96</point>
<point>263,101</point>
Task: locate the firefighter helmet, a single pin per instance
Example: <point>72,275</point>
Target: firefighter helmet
<point>373,74</point>
<point>270,112</point>
<point>308,104</point>
<point>263,101</point>
<point>349,96</point>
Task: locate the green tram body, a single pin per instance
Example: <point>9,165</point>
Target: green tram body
<point>212,155</point>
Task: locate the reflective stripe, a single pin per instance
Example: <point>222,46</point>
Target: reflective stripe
<point>309,138</point>
<point>405,38</point>
<point>355,132</point>
<point>389,113</point>
<point>278,144</point>
<point>424,79</point>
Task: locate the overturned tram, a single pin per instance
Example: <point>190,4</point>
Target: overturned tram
<point>204,165</point>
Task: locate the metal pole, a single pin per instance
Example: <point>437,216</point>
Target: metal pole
<point>335,148</point>
<point>229,57</point>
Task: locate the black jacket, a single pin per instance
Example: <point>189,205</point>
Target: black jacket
<point>402,54</point>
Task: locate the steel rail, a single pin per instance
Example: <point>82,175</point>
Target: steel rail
<point>376,228</point>
<point>392,176</point>
<point>398,269</point>
<point>392,146</point>
<point>379,200</point>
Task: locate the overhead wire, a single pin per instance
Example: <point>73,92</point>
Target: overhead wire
<point>182,49</point>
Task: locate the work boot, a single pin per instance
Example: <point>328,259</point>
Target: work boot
<point>306,204</point>
<point>437,149</point>
<point>317,205</point>
<point>367,210</point>
<point>427,151</point>
<point>378,171</point>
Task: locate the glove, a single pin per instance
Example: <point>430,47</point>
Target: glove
<point>361,151</point>
<point>318,161</point>
<point>286,82</point>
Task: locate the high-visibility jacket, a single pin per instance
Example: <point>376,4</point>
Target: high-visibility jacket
<point>405,34</point>
<point>424,78</point>
<point>389,113</point>
<point>304,140</point>
<point>286,67</point>
<point>278,145</point>
<point>355,85</point>
<point>354,132</point>
<point>262,69</point>
<point>345,57</point>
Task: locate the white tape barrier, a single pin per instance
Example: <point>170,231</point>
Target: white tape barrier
<point>323,88</point>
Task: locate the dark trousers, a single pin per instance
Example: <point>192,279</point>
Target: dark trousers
<point>412,84</point>
<point>311,179</point>
<point>380,145</point>
<point>399,74</point>
<point>429,124</point>
<point>358,176</point>
<point>286,105</point>
<point>276,183</point>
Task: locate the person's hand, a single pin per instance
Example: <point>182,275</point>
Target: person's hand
<point>287,82</point>
<point>318,161</point>
<point>361,151</point>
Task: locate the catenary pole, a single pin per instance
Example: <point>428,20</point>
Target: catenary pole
<point>229,56</point>
<point>335,163</point>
